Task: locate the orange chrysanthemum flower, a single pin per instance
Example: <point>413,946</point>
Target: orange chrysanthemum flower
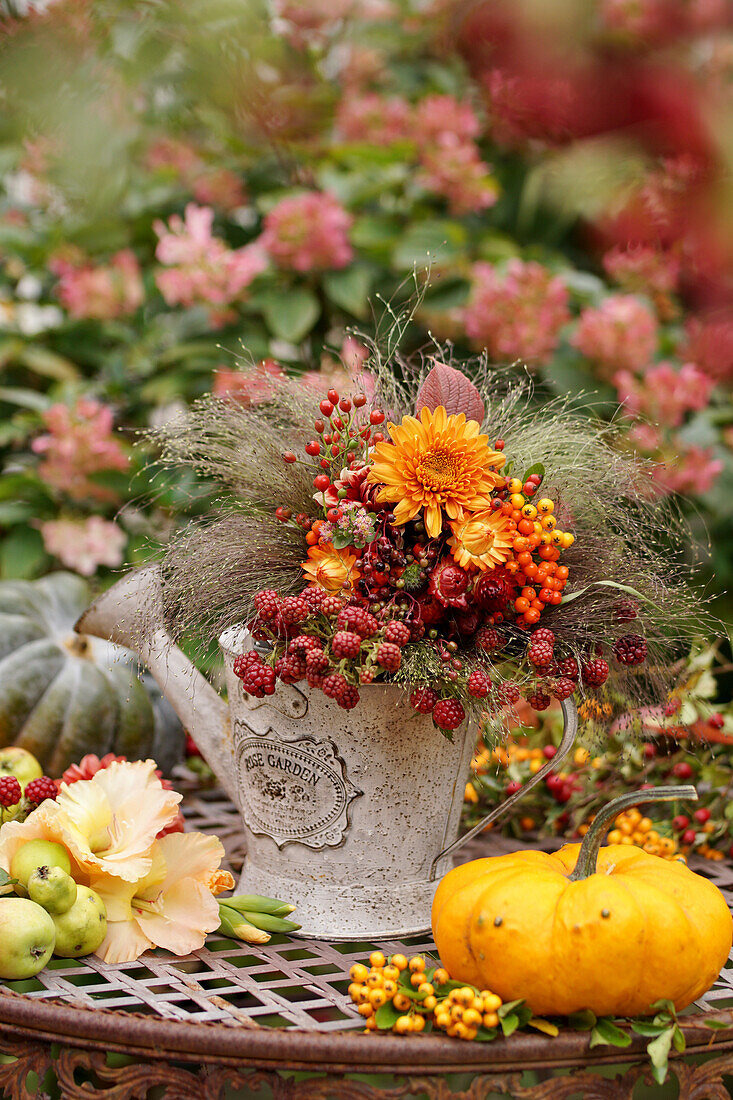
<point>483,540</point>
<point>330,568</point>
<point>437,463</point>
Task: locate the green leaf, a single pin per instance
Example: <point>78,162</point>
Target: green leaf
<point>47,363</point>
<point>386,1015</point>
<point>430,241</point>
<point>716,1025</point>
<point>22,554</point>
<point>26,399</point>
<point>583,1020</point>
<point>5,879</point>
<point>508,1007</point>
<point>605,1033</point>
<point>649,1029</point>
<point>350,288</point>
<point>290,314</point>
<point>486,1034</point>
<point>658,1050</point>
<point>678,1039</point>
<point>609,584</point>
<point>509,1024</point>
<point>538,468</point>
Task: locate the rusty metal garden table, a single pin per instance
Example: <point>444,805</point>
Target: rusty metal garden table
<point>276,1021</point>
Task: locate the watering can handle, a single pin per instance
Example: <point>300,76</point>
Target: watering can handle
<point>570,732</point>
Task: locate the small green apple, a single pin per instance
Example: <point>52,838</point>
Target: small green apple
<point>81,929</point>
<point>27,937</point>
<point>34,854</point>
<point>20,763</point>
<point>52,888</point>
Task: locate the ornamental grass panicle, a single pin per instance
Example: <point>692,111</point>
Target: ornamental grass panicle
<point>517,314</point>
<point>308,232</point>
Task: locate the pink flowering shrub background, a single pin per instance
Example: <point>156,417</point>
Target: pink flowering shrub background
<point>191,218</point>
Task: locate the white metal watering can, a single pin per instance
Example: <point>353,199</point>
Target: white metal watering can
<point>350,815</point>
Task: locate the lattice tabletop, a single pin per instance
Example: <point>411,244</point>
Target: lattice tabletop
<point>284,1003</point>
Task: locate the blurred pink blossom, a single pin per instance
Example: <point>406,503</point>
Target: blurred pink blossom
<point>79,442</point>
<point>251,386</point>
<point>354,354</point>
<point>170,154</point>
<point>621,334</point>
<point>201,268</point>
<point>664,395</point>
<point>455,170</point>
<point>710,343</point>
<point>692,471</point>
<point>373,118</point>
<point>517,315</point>
<point>308,232</point>
<point>438,115</point>
<point>219,187</point>
<point>84,545</point>
<point>104,291</point>
<point>642,269</point>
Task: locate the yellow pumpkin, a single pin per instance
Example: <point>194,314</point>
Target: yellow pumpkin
<point>612,931</point>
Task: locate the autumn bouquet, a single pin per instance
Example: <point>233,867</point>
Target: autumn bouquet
<point>458,538</point>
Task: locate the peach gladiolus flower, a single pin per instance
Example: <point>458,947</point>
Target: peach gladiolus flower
<point>107,824</point>
<point>172,907</point>
<point>330,568</point>
<point>439,463</point>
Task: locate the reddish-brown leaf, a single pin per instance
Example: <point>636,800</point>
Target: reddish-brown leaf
<point>449,387</point>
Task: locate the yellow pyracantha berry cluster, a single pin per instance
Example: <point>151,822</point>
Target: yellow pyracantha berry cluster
<point>421,996</point>
<point>631,827</point>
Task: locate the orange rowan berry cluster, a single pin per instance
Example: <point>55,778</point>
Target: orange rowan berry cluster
<point>421,996</point>
<point>465,1010</point>
<point>631,827</point>
<point>537,536</point>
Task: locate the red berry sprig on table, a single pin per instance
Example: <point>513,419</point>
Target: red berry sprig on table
<point>39,790</point>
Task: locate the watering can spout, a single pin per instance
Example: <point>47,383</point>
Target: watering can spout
<point>120,616</point>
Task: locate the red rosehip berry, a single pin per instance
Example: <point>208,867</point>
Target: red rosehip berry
<point>717,721</point>
<point>313,448</point>
<point>345,405</point>
<point>376,416</point>
<point>512,787</point>
<point>680,822</point>
<point>702,815</point>
<point>682,770</point>
<point>549,751</point>
<point>378,437</point>
<point>321,482</point>
<point>333,396</point>
<point>359,400</point>
<point>288,456</point>
<point>326,408</point>
<point>689,836</point>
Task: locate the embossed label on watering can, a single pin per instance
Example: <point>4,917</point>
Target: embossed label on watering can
<point>293,791</point>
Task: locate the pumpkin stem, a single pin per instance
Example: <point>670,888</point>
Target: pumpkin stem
<point>588,854</point>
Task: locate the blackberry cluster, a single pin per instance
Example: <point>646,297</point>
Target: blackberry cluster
<point>630,649</point>
<point>448,714</point>
<point>11,791</point>
<point>595,672</point>
<point>39,790</point>
<point>258,679</point>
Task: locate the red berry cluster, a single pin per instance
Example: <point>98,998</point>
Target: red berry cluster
<point>257,678</point>
<point>39,790</point>
<point>630,649</point>
<point>11,791</point>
